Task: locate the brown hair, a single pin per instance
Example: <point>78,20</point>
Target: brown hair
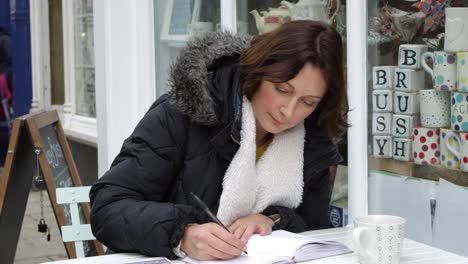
<point>278,56</point>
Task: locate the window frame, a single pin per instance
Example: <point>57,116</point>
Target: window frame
<point>77,127</point>
<point>81,128</point>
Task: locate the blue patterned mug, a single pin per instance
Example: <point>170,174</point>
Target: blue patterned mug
<point>459,111</point>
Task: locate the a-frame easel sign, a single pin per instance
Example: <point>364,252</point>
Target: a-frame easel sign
<point>37,136</point>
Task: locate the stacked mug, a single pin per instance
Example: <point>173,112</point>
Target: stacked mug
<point>444,109</point>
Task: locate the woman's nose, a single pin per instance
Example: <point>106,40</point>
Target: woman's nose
<point>287,110</point>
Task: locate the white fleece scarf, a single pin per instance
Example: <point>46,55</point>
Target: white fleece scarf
<point>249,187</point>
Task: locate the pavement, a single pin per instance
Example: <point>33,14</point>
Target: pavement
<point>33,246</point>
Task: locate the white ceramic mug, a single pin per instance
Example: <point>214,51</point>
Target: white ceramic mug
<point>434,108</point>
<point>456,29</point>
<point>462,71</point>
<point>444,71</point>
<point>379,238</point>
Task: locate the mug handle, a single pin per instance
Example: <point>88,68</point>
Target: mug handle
<point>427,55</point>
<point>357,232</point>
<point>449,147</point>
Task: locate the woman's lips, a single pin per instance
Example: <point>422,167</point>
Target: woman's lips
<point>276,122</point>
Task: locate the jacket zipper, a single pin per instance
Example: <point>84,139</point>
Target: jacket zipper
<point>235,140</point>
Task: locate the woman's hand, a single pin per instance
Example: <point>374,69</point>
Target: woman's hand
<point>210,241</point>
<point>243,228</point>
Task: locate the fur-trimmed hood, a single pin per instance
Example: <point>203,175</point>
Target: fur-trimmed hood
<point>189,74</point>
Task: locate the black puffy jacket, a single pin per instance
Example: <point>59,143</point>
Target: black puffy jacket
<point>184,144</point>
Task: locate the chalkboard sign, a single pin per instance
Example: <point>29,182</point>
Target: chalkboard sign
<point>42,131</point>
<point>14,189</point>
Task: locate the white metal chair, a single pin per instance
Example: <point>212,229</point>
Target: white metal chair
<point>76,232</point>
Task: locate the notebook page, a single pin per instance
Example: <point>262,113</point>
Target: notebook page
<point>322,249</point>
<point>278,243</point>
<point>243,259</point>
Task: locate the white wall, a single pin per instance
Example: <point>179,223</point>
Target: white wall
<point>125,71</point>
<point>407,197</point>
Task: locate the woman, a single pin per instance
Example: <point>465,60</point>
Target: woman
<point>247,127</point>
<point>5,54</point>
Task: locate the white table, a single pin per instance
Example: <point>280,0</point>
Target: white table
<point>413,252</point>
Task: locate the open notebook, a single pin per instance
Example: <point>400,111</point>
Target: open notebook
<point>284,247</point>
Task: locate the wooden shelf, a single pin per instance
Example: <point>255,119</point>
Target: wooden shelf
<point>411,169</point>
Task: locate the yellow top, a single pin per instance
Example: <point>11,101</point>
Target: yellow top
<point>261,150</point>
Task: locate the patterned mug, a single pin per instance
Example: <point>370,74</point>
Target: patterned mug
<point>434,108</point>
<point>379,238</point>
<point>459,111</point>
<point>426,147</point>
<point>462,152</point>
<point>462,71</point>
<point>444,71</point>
<point>449,141</point>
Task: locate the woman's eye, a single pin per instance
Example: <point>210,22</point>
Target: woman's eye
<point>309,103</point>
<point>281,90</point>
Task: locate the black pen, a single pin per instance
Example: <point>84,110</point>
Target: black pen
<point>210,214</point>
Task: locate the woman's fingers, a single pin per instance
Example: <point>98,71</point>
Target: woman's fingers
<point>248,233</point>
<point>231,243</point>
<point>210,252</point>
<point>245,227</point>
<point>239,231</point>
<point>210,241</point>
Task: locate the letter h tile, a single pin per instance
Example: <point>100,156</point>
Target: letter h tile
<point>402,149</point>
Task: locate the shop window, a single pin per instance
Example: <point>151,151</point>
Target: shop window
<point>85,97</point>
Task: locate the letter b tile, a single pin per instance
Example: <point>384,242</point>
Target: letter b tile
<point>409,56</point>
<point>382,77</point>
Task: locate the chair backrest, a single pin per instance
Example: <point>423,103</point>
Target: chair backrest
<point>76,232</point>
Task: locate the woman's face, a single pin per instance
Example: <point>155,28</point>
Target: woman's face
<point>280,106</point>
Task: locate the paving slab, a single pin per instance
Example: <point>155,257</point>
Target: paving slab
<point>33,246</point>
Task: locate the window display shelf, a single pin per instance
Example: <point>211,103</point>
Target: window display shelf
<point>406,168</point>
